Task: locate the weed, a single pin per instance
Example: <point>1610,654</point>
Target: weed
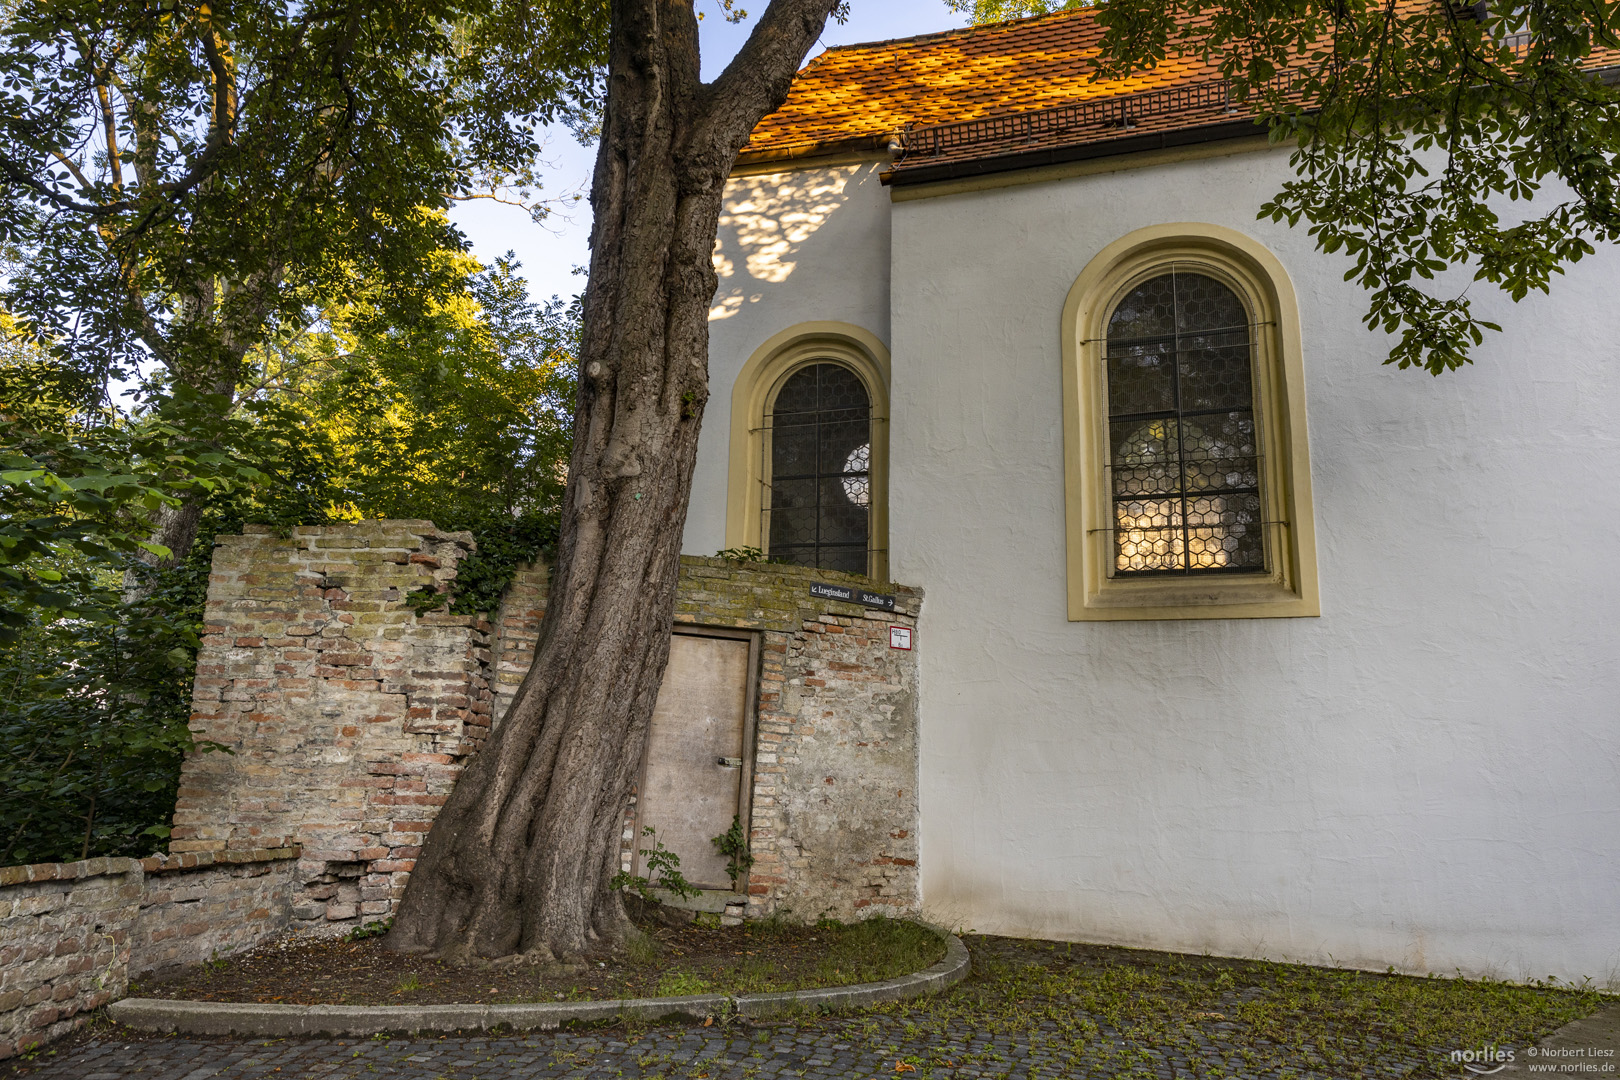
<point>741,554</point>
<point>409,983</point>
<point>682,984</point>
<point>369,930</point>
<point>775,924</point>
<point>642,949</point>
<point>664,866</point>
<point>733,844</point>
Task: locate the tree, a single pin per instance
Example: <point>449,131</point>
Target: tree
<point>186,182</point>
<point>1422,128</point>
<point>521,856</point>
<point>464,414</point>
<point>459,417</point>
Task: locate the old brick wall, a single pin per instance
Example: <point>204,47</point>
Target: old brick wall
<point>833,826</point>
<point>73,934</point>
<point>348,714</point>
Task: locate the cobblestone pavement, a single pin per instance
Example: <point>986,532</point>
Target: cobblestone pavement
<point>823,1050</point>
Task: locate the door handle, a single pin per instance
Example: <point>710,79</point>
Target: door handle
<point>731,763</point>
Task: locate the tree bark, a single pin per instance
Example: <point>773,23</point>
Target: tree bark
<point>520,858</point>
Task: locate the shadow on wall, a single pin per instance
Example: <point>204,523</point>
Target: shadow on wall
<point>765,223</point>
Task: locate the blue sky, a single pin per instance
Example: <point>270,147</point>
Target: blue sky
<point>549,252</point>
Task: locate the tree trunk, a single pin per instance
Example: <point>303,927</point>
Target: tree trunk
<point>520,857</point>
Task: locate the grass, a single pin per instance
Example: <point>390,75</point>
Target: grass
<point>683,983</point>
<point>1125,1013</point>
<point>870,951</point>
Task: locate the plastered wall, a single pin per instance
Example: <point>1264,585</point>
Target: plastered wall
<point>811,245</point>
<point>1427,776</point>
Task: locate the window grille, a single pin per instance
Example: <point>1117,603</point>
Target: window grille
<point>821,470</point>
<point>1184,466</point>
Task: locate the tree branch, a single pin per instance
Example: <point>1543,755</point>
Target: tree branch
<point>758,78</point>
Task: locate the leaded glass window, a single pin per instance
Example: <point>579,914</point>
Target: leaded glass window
<point>821,470</point>
<point>1184,465</point>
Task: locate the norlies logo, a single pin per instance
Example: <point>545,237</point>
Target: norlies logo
<point>1484,1061</point>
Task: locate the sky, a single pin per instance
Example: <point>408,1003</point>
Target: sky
<point>550,251</point>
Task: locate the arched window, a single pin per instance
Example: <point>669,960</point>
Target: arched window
<point>819,512</point>
<point>808,476</point>
<point>1184,463</point>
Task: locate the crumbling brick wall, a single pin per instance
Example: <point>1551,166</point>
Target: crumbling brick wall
<point>347,714</point>
<point>833,827</point>
<point>350,716</point>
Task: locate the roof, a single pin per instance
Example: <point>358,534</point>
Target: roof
<point>994,97</point>
<point>860,95</point>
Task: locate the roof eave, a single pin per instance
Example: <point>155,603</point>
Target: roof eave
<point>794,153</point>
<point>901,176</point>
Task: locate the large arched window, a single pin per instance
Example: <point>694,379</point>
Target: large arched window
<point>1186,464</point>
<point>819,512</point>
<point>810,449</point>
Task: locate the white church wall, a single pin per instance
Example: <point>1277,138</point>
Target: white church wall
<point>1426,776</point>
<point>804,246</point>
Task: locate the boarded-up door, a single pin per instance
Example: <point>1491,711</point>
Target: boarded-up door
<point>698,768</point>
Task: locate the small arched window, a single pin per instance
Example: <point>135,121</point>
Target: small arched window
<point>809,468</point>
<point>821,470</point>
<point>1184,464</point>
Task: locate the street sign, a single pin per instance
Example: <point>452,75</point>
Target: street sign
<point>853,596</point>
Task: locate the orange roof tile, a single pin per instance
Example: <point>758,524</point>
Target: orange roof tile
<point>869,91</point>
<point>1012,92</point>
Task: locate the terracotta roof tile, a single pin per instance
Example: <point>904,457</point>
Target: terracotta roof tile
<point>1026,83</point>
<point>872,90</point>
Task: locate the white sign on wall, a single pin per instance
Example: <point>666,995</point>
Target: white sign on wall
<point>900,637</point>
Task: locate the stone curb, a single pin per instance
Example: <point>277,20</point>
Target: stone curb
<point>280,1021</point>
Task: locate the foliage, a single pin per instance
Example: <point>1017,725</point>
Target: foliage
<point>441,420</point>
<point>460,414</point>
<point>664,870</point>
<point>733,845</point>
<point>462,417</point>
<point>374,929</point>
<point>90,485</point>
<point>186,181</point>
<point>1422,132</point>
<point>983,11</point>
<point>93,720</point>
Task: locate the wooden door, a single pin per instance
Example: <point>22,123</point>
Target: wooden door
<point>699,764</point>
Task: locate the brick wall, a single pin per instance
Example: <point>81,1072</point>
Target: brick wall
<point>347,714</point>
<point>73,934</point>
<point>350,717</point>
<point>834,803</point>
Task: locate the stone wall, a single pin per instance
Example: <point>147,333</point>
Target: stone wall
<point>350,717</point>
<point>347,713</point>
<point>72,935</point>
<point>834,803</point>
